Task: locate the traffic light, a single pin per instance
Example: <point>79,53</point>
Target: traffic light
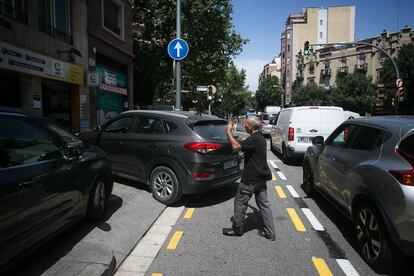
<point>209,92</point>
<point>306,51</point>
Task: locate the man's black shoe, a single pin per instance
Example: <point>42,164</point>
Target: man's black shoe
<point>231,232</point>
<point>267,236</point>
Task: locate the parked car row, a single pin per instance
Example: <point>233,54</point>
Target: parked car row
<point>50,179</point>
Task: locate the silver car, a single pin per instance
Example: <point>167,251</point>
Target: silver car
<point>366,168</point>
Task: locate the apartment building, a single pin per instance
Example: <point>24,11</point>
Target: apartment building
<point>325,65</point>
<point>318,26</point>
<point>271,69</point>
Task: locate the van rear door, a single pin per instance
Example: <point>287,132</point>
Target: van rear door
<point>331,118</point>
<point>307,124</point>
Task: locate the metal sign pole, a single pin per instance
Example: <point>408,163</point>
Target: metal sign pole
<point>178,65</point>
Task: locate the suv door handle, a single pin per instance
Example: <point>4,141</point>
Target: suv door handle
<point>32,181</point>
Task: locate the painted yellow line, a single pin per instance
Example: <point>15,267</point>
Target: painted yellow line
<point>321,267</point>
<point>175,240</point>
<point>156,274</point>
<point>296,220</point>
<point>273,177</point>
<point>189,213</point>
<point>280,192</point>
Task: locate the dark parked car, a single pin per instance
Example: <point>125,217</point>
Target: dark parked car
<point>366,167</point>
<point>49,179</point>
<point>174,152</point>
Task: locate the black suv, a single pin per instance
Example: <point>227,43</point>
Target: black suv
<point>174,152</point>
<point>49,179</point>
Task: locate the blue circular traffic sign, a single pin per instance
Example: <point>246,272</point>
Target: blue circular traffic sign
<point>178,49</point>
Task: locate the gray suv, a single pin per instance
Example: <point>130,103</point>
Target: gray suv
<point>175,153</point>
<point>366,168</point>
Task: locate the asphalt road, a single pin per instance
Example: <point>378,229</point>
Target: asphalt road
<point>322,244</point>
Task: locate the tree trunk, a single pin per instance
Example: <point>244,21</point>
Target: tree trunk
<point>156,92</point>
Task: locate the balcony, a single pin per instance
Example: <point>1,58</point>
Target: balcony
<point>13,13</point>
<point>361,67</point>
<point>52,31</point>
<point>326,72</point>
<point>342,70</point>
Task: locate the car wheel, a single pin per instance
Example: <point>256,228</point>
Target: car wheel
<point>375,245</point>
<point>164,185</point>
<point>97,200</point>
<point>308,182</point>
<point>285,157</point>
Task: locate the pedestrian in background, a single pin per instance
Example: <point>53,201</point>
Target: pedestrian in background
<point>256,173</point>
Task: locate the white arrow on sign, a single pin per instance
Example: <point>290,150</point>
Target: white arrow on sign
<point>399,82</point>
<point>178,47</point>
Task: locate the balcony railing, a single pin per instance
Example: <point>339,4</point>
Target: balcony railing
<point>361,67</point>
<point>52,31</point>
<point>13,13</point>
<point>342,70</point>
<point>326,72</point>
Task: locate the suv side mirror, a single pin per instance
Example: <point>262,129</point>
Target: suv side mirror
<point>318,140</point>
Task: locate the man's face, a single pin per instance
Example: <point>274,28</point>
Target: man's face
<point>248,127</point>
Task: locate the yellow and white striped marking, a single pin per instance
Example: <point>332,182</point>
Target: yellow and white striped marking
<point>175,240</point>
<point>313,220</point>
<point>296,220</point>
<point>156,274</point>
<point>273,177</point>
<point>347,267</point>
<point>292,191</point>
<point>321,267</point>
<point>280,192</point>
<point>278,171</point>
<point>189,213</point>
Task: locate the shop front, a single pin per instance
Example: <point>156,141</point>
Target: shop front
<point>111,94</point>
<point>41,84</point>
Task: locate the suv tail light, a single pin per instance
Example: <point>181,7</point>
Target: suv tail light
<point>202,147</point>
<point>291,135</point>
<point>405,177</point>
<point>201,175</point>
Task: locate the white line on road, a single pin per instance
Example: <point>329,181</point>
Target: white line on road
<point>273,164</point>
<point>141,257</point>
<point>313,220</point>
<point>292,191</point>
<point>279,173</point>
<point>347,267</point>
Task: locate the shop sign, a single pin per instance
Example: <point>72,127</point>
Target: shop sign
<point>114,89</point>
<point>112,81</point>
<point>93,79</point>
<point>28,62</point>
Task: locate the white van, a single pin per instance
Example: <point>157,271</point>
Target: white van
<point>296,126</point>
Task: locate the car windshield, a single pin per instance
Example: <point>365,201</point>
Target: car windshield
<point>211,130</point>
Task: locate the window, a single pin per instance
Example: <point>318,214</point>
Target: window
<point>54,19</point>
<point>407,145</point>
<point>288,36</point>
<point>340,137</point>
<point>320,35</point>
<point>288,60</point>
<point>15,9</point>
<point>122,124</point>
<point>287,84</point>
<point>215,130</point>
<point>69,139</point>
<point>288,48</point>
<point>367,138</point>
<point>22,142</point>
<point>169,127</point>
<point>149,126</point>
<point>113,17</point>
<point>321,22</point>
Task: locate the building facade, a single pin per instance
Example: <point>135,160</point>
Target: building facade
<point>48,48</point>
<point>325,65</point>
<point>318,26</point>
<point>44,57</point>
<point>271,69</point>
<point>111,56</point>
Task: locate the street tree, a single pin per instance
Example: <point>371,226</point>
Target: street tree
<point>311,95</point>
<point>405,63</point>
<point>269,92</point>
<point>208,29</point>
<point>355,92</point>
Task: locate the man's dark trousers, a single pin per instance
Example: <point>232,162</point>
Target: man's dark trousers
<point>244,193</point>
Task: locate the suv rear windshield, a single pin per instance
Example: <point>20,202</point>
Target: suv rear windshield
<point>407,145</point>
<point>211,130</point>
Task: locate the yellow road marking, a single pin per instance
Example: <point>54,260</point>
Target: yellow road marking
<point>280,192</point>
<point>174,240</point>
<point>321,266</point>
<point>273,177</point>
<point>296,220</point>
<point>156,274</point>
<point>189,213</point>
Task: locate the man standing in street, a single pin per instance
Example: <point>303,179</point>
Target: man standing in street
<point>256,173</point>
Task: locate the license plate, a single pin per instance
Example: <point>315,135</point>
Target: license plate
<point>230,164</point>
<point>304,139</point>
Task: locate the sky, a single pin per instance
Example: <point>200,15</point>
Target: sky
<point>262,22</point>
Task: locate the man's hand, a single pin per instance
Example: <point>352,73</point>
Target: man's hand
<point>229,127</point>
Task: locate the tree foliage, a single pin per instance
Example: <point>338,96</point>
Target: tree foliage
<point>269,92</point>
<point>311,95</point>
<point>355,92</point>
<point>405,63</point>
<point>206,26</point>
